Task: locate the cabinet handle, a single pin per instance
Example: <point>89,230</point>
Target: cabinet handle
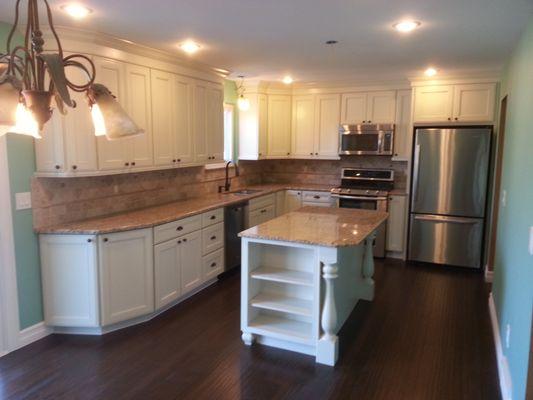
<point>106,239</point>
<point>212,217</point>
<point>316,154</point>
<point>57,167</point>
<point>179,228</point>
<point>89,240</point>
<point>395,154</point>
<point>364,122</point>
<point>74,167</point>
<point>311,154</point>
<point>127,164</point>
<point>369,122</point>
<point>263,211</point>
<point>316,197</point>
<point>214,264</point>
<point>288,154</point>
<point>213,237</point>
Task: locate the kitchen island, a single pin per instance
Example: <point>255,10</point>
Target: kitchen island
<point>302,275</point>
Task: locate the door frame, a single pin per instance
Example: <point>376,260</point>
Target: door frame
<point>9,316</point>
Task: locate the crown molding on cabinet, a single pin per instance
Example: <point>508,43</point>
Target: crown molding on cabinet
<point>455,81</point>
<point>103,45</point>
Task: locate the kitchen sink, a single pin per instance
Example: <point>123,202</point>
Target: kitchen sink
<point>244,192</point>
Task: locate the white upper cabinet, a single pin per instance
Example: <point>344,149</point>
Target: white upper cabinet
<point>262,102</point>
<point>215,123</point>
<point>200,122</point>
<point>327,119</point>
<point>49,151</point>
<point>279,126</point>
<point>472,102</point>
<point>303,126</point>
<point>253,127</point>
<point>183,120</point>
<point>377,107</point>
<point>403,133</point>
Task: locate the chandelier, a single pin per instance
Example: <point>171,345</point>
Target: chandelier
<point>31,78</point>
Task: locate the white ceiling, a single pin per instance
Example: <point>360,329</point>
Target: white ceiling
<point>270,38</point>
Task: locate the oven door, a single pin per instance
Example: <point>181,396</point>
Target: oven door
<point>368,203</point>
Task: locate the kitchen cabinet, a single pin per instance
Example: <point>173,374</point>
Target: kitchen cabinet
<point>303,126</point>
<point>454,103</point>
<point>280,203</point>
<point>253,128</point>
<point>403,133</point>
<point>126,275</point>
<point>378,107</point>
<point>167,273</point>
<point>293,200</point>
<point>317,199</point>
<point>396,223</point>
<point>200,122</point>
<point>279,126</point>
<point>213,264</point>
<point>49,151</point>
<point>215,123</point>
<point>259,210</point>
<point>70,289</point>
<point>191,261</point>
<point>172,119</point>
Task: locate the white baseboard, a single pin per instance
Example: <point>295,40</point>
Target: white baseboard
<point>504,373</point>
<point>33,333</point>
<point>488,274</point>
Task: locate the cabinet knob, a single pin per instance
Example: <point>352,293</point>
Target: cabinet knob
<point>127,164</point>
<point>89,240</point>
<point>316,154</point>
<point>173,160</point>
<point>213,237</point>
<point>179,159</point>
<point>57,167</point>
<point>106,239</point>
<point>316,197</point>
<point>133,163</point>
<point>288,154</point>
<point>395,154</point>
<point>179,241</point>
<point>456,118</point>
<point>212,217</point>
<point>74,167</point>
<point>364,122</point>
<point>260,154</point>
<point>214,264</point>
<point>185,239</point>
<point>311,154</point>
<point>179,228</point>
<point>449,119</point>
<point>369,122</point>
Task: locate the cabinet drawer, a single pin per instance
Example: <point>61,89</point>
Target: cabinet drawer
<point>317,204</point>
<point>213,264</point>
<point>262,215</point>
<point>212,238</point>
<point>212,217</point>
<point>261,202</point>
<point>174,229</point>
<point>316,197</point>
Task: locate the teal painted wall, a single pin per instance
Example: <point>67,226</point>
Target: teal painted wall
<point>513,272</point>
<point>21,161</point>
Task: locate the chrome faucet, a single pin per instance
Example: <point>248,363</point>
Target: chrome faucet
<point>227,182</point>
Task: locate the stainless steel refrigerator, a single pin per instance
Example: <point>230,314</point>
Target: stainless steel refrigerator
<point>450,176</point>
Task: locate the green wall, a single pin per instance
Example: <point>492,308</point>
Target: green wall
<point>513,272</point>
<point>21,161</point>
<point>230,97</point>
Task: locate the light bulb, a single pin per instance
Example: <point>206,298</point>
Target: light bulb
<point>98,121</point>
<point>76,11</point>
<point>287,80</point>
<point>243,103</point>
<point>430,72</point>
<point>26,124</point>
<point>406,26</point>
<point>190,47</point>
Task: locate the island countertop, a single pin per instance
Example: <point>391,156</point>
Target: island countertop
<point>330,227</point>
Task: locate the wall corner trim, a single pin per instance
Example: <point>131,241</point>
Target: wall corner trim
<point>504,373</point>
<point>489,275</point>
<point>33,333</point>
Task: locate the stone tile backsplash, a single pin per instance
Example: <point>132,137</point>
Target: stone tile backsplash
<point>60,200</point>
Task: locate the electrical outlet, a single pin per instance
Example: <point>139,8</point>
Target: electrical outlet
<point>508,336</point>
<point>504,198</point>
<point>23,200</point>
<point>531,240</point>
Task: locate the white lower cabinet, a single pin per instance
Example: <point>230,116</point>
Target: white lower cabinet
<point>126,275</point>
<point>260,210</point>
<point>396,223</point>
<point>191,261</point>
<point>167,272</point>
<point>317,199</point>
<point>293,200</point>
<point>213,264</point>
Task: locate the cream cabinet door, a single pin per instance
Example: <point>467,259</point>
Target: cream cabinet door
<point>262,105</point>
<point>279,126</point>
<point>126,275</point>
<point>183,109</point>
<point>191,261</point>
<point>403,134</point>
<point>49,151</point>
<point>293,200</point>
<point>303,126</point>
<point>396,223</point>
<point>353,108</point>
<point>215,123</point>
<point>433,103</point>
<point>112,154</point>
<point>381,107</point>
<point>163,109</point>
<point>200,122</point>
<point>474,102</point>
<point>167,272</point>
<point>139,107</point>
<point>327,120</point>
<point>70,280</point>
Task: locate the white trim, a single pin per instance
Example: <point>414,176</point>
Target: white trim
<point>504,373</point>
<point>33,333</point>
<point>9,309</point>
<point>489,274</point>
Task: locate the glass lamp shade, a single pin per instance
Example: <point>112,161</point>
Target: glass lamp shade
<point>243,103</point>
<point>9,101</point>
<point>109,118</point>
<point>26,123</point>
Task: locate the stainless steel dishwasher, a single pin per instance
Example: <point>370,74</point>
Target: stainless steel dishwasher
<point>233,224</point>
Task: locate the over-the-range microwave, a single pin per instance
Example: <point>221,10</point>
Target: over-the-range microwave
<point>376,139</point>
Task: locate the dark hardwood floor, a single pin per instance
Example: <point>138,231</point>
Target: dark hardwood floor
<point>426,336</point>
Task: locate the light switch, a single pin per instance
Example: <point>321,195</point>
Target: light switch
<point>23,200</point>
<point>531,240</point>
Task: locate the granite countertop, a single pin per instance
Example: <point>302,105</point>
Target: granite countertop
<point>330,227</point>
<point>157,215</point>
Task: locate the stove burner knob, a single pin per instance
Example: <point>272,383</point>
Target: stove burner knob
<point>367,192</point>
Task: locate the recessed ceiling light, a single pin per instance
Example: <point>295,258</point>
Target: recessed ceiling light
<point>430,72</point>
<point>406,26</point>
<point>190,46</point>
<point>76,10</point>
<point>287,80</point>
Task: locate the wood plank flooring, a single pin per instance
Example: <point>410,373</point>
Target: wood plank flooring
<point>426,336</point>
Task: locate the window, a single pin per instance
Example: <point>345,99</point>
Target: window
<point>229,110</point>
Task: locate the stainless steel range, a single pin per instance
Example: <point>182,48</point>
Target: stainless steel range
<point>366,189</point>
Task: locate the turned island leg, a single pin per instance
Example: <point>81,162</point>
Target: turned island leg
<point>327,348</point>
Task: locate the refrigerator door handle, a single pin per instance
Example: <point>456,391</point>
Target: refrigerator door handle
<point>416,173</point>
<point>453,220</point>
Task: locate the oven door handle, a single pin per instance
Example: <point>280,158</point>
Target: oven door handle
<point>339,196</point>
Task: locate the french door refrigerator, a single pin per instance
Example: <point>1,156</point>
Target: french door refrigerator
<point>450,175</point>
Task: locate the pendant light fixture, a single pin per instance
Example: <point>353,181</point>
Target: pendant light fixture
<point>26,99</point>
<point>242,102</point>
